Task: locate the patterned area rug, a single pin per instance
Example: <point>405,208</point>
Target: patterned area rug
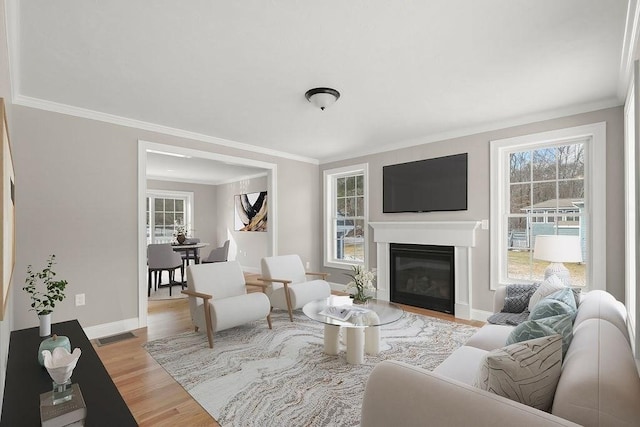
<point>259,377</point>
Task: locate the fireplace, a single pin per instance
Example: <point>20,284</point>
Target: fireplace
<point>423,276</point>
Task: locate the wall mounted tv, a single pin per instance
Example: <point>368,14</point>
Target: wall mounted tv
<point>438,184</point>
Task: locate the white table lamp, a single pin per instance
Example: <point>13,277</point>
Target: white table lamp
<point>556,250</point>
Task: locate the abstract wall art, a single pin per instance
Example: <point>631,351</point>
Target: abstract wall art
<point>251,211</point>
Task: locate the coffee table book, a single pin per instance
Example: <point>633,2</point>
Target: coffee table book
<point>70,413</point>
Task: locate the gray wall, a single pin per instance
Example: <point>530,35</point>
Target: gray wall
<point>246,247</point>
<point>204,207</point>
<point>76,196</point>
<point>478,148</point>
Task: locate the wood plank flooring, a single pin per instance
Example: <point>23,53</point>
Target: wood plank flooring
<point>153,396</point>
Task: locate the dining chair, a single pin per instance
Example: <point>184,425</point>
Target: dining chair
<point>220,254</point>
<point>285,283</point>
<point>161,257</point>
<point>218,298</point>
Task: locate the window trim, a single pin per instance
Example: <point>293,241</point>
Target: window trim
<point>173,194</point>
<point>595,190</point>
<point>329,178</point>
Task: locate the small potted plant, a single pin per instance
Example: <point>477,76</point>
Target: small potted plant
<point>44,301</point>
<point>362,281</point>
<point>180,232</point>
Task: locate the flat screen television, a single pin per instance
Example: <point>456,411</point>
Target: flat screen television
<point>428,185</point>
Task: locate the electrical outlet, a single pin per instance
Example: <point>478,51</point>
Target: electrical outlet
<point>79,299</point>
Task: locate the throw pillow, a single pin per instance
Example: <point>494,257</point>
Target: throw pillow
<point>560,302</point>
<point>517,297</point>
<point>550,285</point>
<point>561,324</point>
<point>527,372</point>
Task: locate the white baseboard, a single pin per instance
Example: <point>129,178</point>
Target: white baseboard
<point>107,329</point>
<point>338,287</point>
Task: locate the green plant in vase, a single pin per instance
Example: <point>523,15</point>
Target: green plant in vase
<point>362,281</point>
<point>45,292</point>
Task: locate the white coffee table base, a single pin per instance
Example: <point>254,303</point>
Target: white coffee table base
<point>331,339</point>
<point>359,341</point>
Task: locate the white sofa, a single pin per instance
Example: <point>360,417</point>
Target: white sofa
<point>599,384</point>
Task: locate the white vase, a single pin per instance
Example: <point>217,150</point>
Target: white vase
<point>45,324</point>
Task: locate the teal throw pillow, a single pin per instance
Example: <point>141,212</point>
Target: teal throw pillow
<point>561,324</point>
<point>560,302</point>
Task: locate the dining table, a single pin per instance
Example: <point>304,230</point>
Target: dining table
<point>188,249</point>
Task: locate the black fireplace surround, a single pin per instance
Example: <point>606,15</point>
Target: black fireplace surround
<point>423,276</point>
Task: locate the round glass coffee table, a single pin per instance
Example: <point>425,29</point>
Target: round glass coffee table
<point>361,321</point>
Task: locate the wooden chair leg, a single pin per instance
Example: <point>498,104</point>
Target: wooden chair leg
<point>288,297</point>
<point>269,320</point>
<point>170,282</point>
<point>207,319</point>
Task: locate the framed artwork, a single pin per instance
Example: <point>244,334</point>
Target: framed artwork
<point>7,213</point>
<point>251,211</point>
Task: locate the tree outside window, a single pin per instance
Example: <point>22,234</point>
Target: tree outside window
<point>165,211</point>
<point>545,184</point>
<point>345,216</point>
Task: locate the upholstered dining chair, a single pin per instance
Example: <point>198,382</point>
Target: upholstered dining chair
<point>220,254</point>
<point>285,282</point>
<point>161,257</point>
<point>218,298</point>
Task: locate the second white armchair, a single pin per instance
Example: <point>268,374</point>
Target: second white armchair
<point>286,283</point>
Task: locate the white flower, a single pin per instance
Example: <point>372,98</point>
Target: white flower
<point>361,280</point>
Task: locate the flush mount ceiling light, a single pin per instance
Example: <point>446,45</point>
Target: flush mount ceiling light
<point>322,97</point>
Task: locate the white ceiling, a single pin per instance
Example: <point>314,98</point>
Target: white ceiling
<point>238,70</point>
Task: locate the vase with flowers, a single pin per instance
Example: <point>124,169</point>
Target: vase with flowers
<point>180,231</point>
<point>362,282</point>
<point>43,301</point>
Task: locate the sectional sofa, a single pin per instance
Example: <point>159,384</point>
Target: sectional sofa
<point>598,383</point>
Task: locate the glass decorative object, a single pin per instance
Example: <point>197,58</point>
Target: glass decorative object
<point>60,364</point>
<point>50,344</point>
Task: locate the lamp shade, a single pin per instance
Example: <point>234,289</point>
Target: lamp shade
<point>558,248</point>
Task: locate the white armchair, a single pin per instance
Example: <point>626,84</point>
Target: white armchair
<point>286,284</point>
<point>218,298</point>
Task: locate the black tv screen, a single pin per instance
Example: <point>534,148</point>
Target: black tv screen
<point>438,184</point>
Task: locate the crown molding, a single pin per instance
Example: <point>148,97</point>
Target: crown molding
<point>70,110</point>
<point>473,130</point>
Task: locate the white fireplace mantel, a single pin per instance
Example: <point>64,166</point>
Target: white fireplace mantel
<point>459,234</point>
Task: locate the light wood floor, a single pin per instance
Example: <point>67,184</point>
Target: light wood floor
<point>153,396</point>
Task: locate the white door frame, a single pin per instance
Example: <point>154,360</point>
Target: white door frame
<point>143,146</point>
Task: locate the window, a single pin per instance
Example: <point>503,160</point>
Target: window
<point>165,211</point>
<point>536,180</point>
<point>345,216</point>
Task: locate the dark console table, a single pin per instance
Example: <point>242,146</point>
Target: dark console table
<point>26,380</point>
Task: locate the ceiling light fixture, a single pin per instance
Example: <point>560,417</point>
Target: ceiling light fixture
<point>322,97</point>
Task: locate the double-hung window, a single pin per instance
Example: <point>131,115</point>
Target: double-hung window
<point>166,210</point>
<point>551,183</point>
<point>346,216</point>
